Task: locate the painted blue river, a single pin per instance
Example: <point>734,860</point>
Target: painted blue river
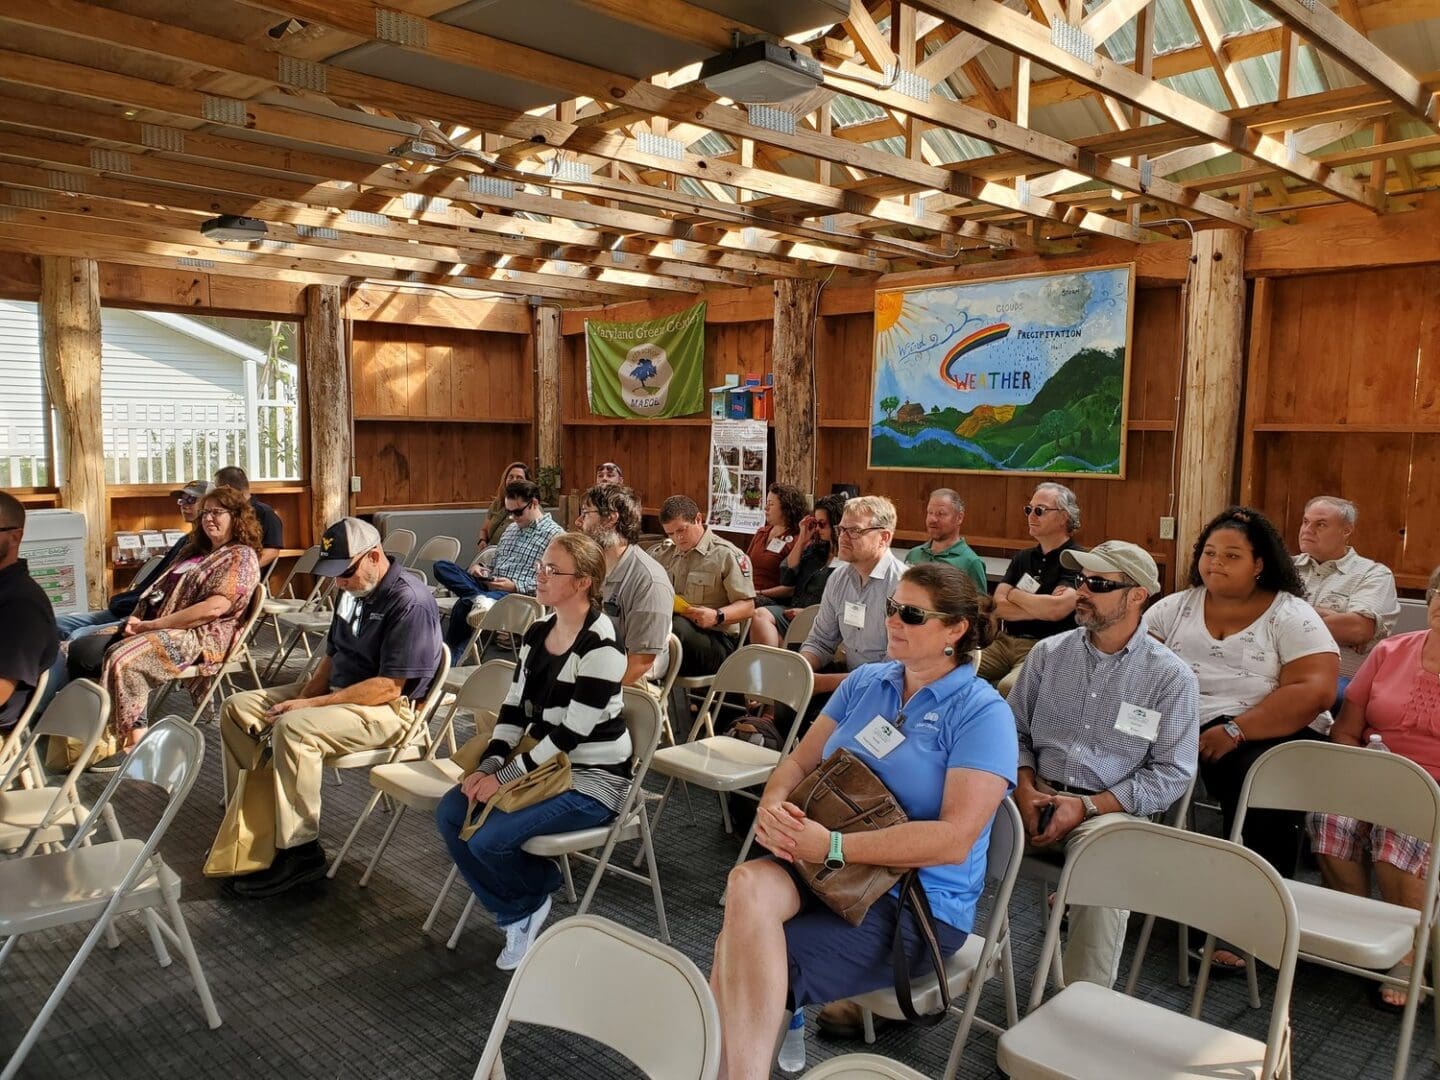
<point>949,438</point>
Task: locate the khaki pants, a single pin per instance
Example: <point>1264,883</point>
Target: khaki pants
<point>301,741</point>
<point>1096,937</point>
<point>1002,659</point>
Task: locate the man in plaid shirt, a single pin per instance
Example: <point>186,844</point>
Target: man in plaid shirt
<point>519,549</point>
<point>1108,723</point>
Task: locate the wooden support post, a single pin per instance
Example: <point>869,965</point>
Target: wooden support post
<point>70,345</point>
<point>792,360</point>
<point>327,381</point>
<point>547,390</point>
<point>1214,374</point>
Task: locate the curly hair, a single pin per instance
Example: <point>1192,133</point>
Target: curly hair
<point>792,504</point>
<point>244,525</point>
<point>607,499</point>
<point>953,592</point>
<point>1277,568</point>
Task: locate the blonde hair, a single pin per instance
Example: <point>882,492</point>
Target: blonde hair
<point>879,509</point>
<point>589,562</point>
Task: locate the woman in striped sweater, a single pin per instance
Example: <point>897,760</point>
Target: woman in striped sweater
<point>566,697</point>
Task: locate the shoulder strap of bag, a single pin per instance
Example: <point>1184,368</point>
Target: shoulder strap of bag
<point>912,895</point>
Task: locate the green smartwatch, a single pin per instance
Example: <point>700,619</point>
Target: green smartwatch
<point>836,859</point>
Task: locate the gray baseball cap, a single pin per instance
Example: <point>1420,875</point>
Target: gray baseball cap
<point>1116,557</point>
<point>197,488</point>
<point>343,543</point>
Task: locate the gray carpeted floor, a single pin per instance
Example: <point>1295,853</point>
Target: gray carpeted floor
<point>339,981</point>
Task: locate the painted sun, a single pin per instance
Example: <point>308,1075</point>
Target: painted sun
<point>892,322</point>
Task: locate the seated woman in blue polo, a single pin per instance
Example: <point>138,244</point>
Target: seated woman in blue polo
<point>943,741</point>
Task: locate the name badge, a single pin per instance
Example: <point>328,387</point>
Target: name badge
<point>1137,720</point>
<point>855,615</point>
<point>1028,584</point>
<point>777,545</point>
<point>880,736</point>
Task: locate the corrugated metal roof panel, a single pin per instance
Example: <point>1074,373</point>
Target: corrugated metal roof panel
<point>951,146</point>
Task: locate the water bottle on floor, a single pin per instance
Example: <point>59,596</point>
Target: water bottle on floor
<point>1376,743</point>
<point>792,1050</point>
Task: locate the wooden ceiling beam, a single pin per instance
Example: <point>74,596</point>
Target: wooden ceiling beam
<point>1349,47</point>
<point>1104,23</point>
<point>1034,145</point>
<point>1017,33</point>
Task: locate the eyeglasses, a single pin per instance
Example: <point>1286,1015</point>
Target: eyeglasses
<point>911,615</point>
<point>608,470</point>
<point>517,512</point>
<point>853,531</point>
<point>187,500</point>
<point>354,567</point>
<point>1102,585</point>
<point>587,510</point>
<point>1040,511</point>
<point>549,569</point>
<point>214,512</point>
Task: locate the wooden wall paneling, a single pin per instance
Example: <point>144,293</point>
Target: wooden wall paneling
<point>1383,337</point>
<point>437,397</point>
<point>1279,381</point>
<point>1373,470</point>
<point>467,375</point>
<point>1420,550</point>
<point>390,370</point>
<point>362,371</point>
<point>1327,347</point>
<point>1155,340</point>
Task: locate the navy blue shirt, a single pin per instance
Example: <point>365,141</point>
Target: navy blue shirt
<point>394,632</point>
<point>30,640</point>
<point>272,529</point>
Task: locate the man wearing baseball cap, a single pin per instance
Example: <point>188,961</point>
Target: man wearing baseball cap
<point>381,656</point>
<point>1108,720</point>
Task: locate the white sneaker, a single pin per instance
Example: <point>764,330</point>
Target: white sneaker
<point>520,936</point>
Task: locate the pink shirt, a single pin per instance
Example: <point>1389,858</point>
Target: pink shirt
<point>1401,699</point>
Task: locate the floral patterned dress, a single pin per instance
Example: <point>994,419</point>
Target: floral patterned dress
<point>139,664</point>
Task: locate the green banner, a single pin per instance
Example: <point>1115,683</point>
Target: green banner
<point>647,369</point>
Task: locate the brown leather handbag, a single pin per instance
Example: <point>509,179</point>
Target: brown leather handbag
<point>846,796</point>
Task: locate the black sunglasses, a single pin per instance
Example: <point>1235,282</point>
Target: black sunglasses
<point>11,528</point>
<point>911,615</point>
<point>1040,511</point>
<point>354,567</point>
<point>517,513</point>
<point>1101,585</point>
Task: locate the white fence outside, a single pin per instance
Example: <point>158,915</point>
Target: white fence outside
<point>24,460</point>
<point>175,443</point>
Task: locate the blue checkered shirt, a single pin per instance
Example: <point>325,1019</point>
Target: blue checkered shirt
<point>1066,703</point>
<point>520,549</point>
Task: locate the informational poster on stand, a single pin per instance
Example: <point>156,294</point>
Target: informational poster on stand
<point>738,449</point>
<point>53,568</point>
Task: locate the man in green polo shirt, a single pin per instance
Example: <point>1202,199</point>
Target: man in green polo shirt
<point>944,514</point>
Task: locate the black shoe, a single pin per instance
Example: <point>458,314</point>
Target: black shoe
<point>292,867</point>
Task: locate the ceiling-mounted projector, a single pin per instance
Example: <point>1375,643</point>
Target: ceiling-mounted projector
<point>233,227</point>
<point>761,72</point>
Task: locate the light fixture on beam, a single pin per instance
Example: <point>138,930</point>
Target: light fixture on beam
<point>761,72</point>
<point>233,227</point>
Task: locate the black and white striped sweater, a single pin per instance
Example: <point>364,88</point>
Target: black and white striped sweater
<point>575,712</point>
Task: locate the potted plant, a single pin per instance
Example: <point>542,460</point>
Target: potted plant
<point>547,478</point>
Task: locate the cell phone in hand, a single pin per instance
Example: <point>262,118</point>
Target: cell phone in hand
<point>1046,813</point>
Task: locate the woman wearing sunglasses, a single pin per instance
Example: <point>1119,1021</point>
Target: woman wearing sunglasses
<point>943,741</point>
<point>803,572</point>
<point>565,699</point>
<point>189,617</point>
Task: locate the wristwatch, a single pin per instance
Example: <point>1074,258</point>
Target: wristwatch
<point>1233,730</point>
<point>835,860</point>
<point>720,616</point>
<point>1091,810</point>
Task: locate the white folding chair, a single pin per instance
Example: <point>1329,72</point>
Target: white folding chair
<point>399,543</point>
<point>862,1067</point>
<point>421,784</point>
<point>16,736</point>
<point>694,684</point>
<point>284,599</point>
<point>436,549</point>
<point>237,661</point>
<point>99,881</point>
<point>1357,934</point>
<point>799,628</point>
<point>595,978</point>
<point>1088,1030</point>
<point>674,655</point>
<point>978,960</point>
<point>720,763</point>
<point>30,817</point>
<point>311,618</point>
<point>418,574</point>
<point>512,614</point>
<point>642,719</point>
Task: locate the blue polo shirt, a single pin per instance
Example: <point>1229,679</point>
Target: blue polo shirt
<point>394,632</point>
<point>958,722</point>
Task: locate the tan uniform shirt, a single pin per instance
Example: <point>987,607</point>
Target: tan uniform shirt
<point>711,574</point>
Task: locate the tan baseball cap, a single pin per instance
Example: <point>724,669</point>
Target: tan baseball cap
<point>198,488</point>
<point>1116,557</point>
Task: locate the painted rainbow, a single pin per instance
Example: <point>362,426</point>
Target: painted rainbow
<point>989,334</point>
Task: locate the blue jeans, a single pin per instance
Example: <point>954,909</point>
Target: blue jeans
<point>511,883</point>
<point>68,624</point>
<point>453,577</point>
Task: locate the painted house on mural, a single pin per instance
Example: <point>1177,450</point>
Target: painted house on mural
<point>178,399</point>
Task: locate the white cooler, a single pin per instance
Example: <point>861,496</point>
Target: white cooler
<point>54,546</point>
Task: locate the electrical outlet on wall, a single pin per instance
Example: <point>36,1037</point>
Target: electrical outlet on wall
<point>1167,528</point>
<point>354,485</point>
